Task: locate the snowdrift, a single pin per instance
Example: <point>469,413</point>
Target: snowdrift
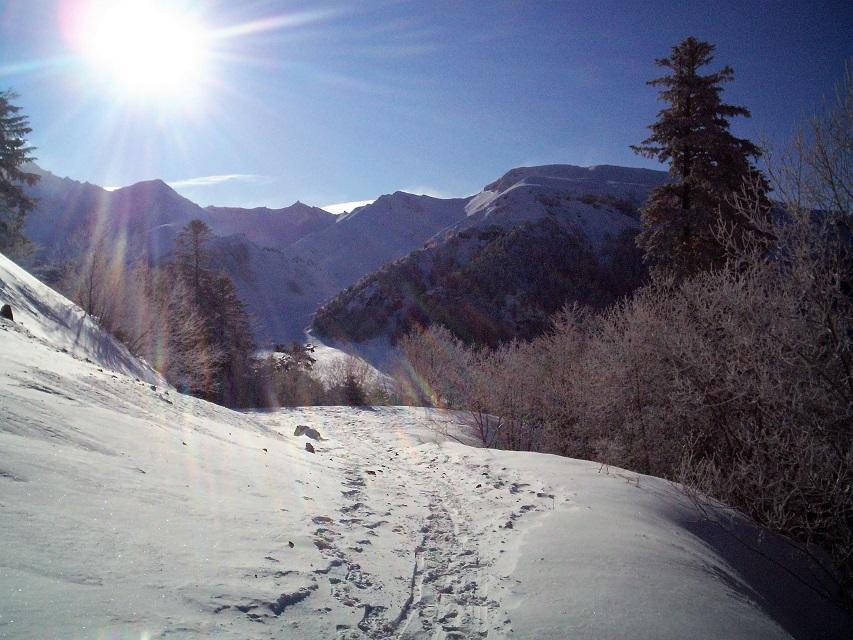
<point>57,323</point>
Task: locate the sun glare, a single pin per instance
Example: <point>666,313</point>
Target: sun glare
<point>144,48</point>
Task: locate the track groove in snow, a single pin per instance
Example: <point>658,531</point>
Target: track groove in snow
<point>447,593</point>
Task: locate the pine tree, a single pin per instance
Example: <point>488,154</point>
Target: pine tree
<point>220,336</point>
<point>707,164</point>
<point>232,334</point>
<point>353,391</point>
<point>192,256</point>
<point>14,152</point>
<point>193,361</point>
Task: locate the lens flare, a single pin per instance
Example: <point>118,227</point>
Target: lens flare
<point>144,48</point>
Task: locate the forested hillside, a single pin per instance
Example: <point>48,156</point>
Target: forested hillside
<point>486,284</point>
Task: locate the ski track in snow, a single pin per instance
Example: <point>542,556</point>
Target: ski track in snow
<point>450,592</point>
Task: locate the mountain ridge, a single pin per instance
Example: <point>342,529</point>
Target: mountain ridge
<point>287,262</point>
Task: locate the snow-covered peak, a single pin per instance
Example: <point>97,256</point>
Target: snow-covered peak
<point>401,203</point>
<point>270,228</point>
<point>597,202</point>
<point>156,185</point>
<point>295,210</point>
<point>623,182</point>
<point>368,237</point>
<point>597,173</point>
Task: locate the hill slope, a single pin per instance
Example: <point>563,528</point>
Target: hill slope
<point>281,290</point>
<point>50,320</point>
<point>486,284</point>
<point>368,237</point>
<point>132,511</point>
<point>270,228</point>
<point>533,240</point>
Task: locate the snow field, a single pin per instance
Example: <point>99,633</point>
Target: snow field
<point>130,511</point>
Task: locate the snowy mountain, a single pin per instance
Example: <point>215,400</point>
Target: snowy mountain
<point>152,210</point>
<point>141,222</point>
<point>368,237</point>
<point>626,182</point>
<point>129,510</point>
<point>288,262</point>
<point>532,241</point>
<point>71,218</point>
<point>596,201</point>
<point>285,262</point>
<point>270,228</point>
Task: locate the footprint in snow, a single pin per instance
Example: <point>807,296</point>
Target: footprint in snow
<point>322,520</point>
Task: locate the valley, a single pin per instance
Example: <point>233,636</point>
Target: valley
<point>137,511</point>
<point>288,262</point>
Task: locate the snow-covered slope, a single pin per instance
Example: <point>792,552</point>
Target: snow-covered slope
<point>130,511</point>
<point>368,237</point>
<point>630,181</point>
<point>596,201</point>
<point>270,228</point>
<point>281,289</point>
<point>56,324</point>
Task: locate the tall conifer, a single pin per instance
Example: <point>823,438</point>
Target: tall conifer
<point>14,152</point>
<point>707,164</point>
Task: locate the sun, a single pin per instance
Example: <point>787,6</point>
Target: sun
<point>143,48</point>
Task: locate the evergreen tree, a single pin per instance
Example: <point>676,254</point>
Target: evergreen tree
<point>192,256</point>
<point>193,362</point>
<point>232,334</point>
<point>707,164</point>
<point>220,336</point>
<point>14,152</point>
<point>353,391</point>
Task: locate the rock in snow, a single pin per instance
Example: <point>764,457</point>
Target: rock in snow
<point>214,542</point>
<point>309,432</point>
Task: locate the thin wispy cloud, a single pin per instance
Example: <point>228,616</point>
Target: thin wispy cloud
<point>208,181</point>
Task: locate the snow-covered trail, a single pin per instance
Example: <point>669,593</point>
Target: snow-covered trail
<point>441,520</point>
<point>129,511</point>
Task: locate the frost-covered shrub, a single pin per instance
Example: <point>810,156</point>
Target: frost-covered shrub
<point>737,382</point>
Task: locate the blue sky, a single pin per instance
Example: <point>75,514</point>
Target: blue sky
<point>333,102</point>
